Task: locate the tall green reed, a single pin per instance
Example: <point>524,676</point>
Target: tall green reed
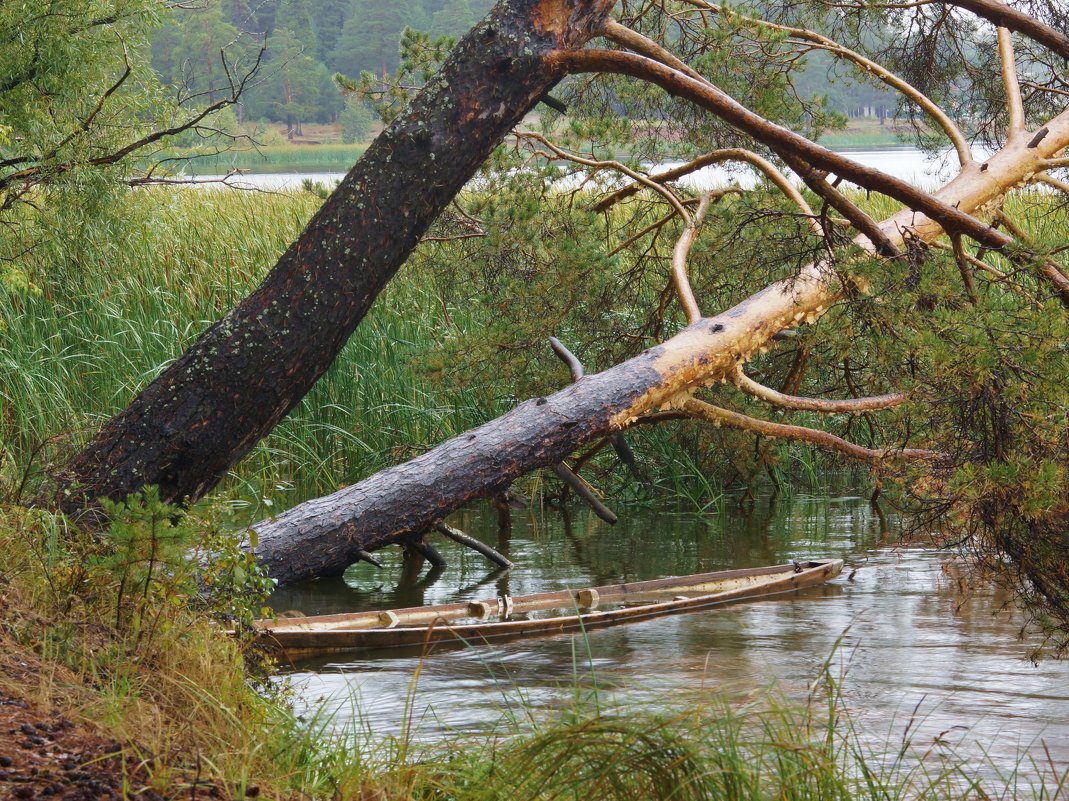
<point>122,300</point>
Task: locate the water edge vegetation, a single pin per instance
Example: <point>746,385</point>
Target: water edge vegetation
<point>165,684</point>
<point>75,342</point>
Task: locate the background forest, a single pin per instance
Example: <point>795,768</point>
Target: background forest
<point>308,41</point>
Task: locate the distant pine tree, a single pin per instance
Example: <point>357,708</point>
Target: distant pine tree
<point>329,16</point>
<point>455,18</point>
<point>369,40</point>
<point>298,17</point>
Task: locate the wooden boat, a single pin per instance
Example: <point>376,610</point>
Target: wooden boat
<point>546,613</point>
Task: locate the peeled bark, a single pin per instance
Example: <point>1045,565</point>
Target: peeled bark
<point>192,424</point>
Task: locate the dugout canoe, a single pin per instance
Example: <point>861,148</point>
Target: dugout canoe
<point>541,614</point>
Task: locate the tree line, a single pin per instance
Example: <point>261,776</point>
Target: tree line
<point>304,43</point>
<point>308,41</point>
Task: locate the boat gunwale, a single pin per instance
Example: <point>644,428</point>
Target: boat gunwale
<point>335,639</point>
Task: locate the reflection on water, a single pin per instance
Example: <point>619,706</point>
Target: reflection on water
<point>905,644</point>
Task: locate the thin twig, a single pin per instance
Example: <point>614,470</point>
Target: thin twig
<point>725,417</point>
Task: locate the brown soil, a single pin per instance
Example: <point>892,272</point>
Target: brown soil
<point>47,756</point>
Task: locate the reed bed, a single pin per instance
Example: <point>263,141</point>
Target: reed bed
<point>120,302</point>
<point>123,294</point>
<point>275,158</point>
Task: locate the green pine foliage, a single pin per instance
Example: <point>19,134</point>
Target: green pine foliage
<point>356,121</point>
<point>79,106</point>
<point>368,40</point>
<point>158,555</point>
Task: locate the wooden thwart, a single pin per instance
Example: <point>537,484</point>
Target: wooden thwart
<point>474,622</point>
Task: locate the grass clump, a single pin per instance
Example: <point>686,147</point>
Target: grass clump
<point>766,749</point>
<point>125,632</point>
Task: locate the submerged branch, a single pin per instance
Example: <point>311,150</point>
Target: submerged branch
<point>585,492</point>
<point>459,537</point>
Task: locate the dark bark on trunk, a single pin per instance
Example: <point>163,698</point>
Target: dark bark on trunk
<point>322,537</point>
<point>193,423</point>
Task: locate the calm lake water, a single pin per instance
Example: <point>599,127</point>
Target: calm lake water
<point>911,656</point>
<point>906,163</point>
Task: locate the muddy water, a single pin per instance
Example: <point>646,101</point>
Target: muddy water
<point>913,660</point>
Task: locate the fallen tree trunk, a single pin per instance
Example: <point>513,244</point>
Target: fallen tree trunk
<point>192,424</point>
<point>323,536</point>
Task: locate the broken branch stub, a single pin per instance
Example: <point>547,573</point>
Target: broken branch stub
<point>461,538</point>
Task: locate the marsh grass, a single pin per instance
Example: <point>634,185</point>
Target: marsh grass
<point>116,305</point>
<point>121,294</point>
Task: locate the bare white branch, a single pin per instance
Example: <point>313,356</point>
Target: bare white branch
<point>725,417</point>
<point>1014,103</point>
<point>680,279</point>
<point>845,406</point>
